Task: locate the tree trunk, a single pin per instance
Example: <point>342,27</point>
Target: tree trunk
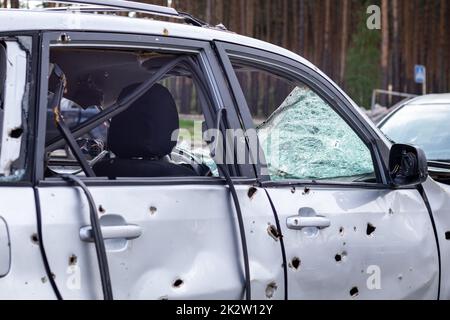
<point>14,3</point>
<point>443,54</point>
<point>385,45</point>
<point>396,57</point>
<point>344,40</point>
<point>326,51</point>
<point>208,13</point>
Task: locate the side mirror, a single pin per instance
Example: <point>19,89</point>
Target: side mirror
<point>407,165</point>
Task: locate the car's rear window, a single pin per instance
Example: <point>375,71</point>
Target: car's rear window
<point>426,126</point>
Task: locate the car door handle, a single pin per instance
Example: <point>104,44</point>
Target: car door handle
<point>298,223</point>
<point>128,232</point>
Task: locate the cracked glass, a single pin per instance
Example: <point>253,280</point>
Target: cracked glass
<point>302,138</point>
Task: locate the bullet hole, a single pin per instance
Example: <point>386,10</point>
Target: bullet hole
<point>341,231</point>
<point>251,192</point>
<point>400,277</point>
<point>178,283</point>
<point>273,232</point>
<point>153,210</point>
<point>164,298</point>
<point>166,32</point>
<point>355,229</point>
<point>270,290</point>
<point>64,38</point>
<point>340,257</point>
<point>391,212</point>
<point>370,229</point>
<point>295,263</point>
<point>354,292</point>
<point>35,239</point>
<point>16,133</point>
<point>73,259</point>
<point>447,235</point>
<point>306,191</point>
<point>44,279</point>
<point>101,209</point>
<point>293,190</point>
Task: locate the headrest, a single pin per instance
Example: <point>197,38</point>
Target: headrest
<point>145,129</point>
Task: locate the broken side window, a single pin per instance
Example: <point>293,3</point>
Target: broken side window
<point>14,93</point>
<point>301,135</point>
<point>160,134</point>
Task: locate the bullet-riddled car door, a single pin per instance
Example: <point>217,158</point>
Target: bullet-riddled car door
<point>166,237</point>
<point>346,234</point>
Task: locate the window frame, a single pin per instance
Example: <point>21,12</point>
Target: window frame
<point>27,152</point>
<point>208,64</point>
<point>291,69</point>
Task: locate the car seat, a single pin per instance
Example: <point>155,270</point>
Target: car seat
<point>142,137</point>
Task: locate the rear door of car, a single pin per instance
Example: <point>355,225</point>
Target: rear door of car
<point>187,243</point>
<point>190,244</point>
<point>343,239</point>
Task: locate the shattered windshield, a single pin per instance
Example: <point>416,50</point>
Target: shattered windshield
<point>306,139</point>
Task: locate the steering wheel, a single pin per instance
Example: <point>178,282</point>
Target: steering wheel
<point>192,162</point>
<point>91,148</point>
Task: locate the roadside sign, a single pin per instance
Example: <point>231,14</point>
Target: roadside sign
<point>420,73</point>
<point>420,76</point>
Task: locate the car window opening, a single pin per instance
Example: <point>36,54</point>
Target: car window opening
<point>132,98</point>
<point>302,137</point>
<point>126,114</point>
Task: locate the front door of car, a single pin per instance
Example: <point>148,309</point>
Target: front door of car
<point>346,234</point>
<point>167,237</point>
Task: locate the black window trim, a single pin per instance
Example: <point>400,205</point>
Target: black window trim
<point>310,77</point>
<point>116,40</point>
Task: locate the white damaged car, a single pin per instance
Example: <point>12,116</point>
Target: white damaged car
<point>127,202</point>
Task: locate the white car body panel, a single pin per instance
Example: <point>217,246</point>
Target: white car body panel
<point>385,264</point>
<point>27,277</point>
<point>183,227</point>
<point>439,197</point>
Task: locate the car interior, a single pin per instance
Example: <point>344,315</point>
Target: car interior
<point>106,118</point>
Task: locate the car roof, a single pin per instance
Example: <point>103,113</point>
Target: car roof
<point>26,20</point>
<point>442,98</point>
